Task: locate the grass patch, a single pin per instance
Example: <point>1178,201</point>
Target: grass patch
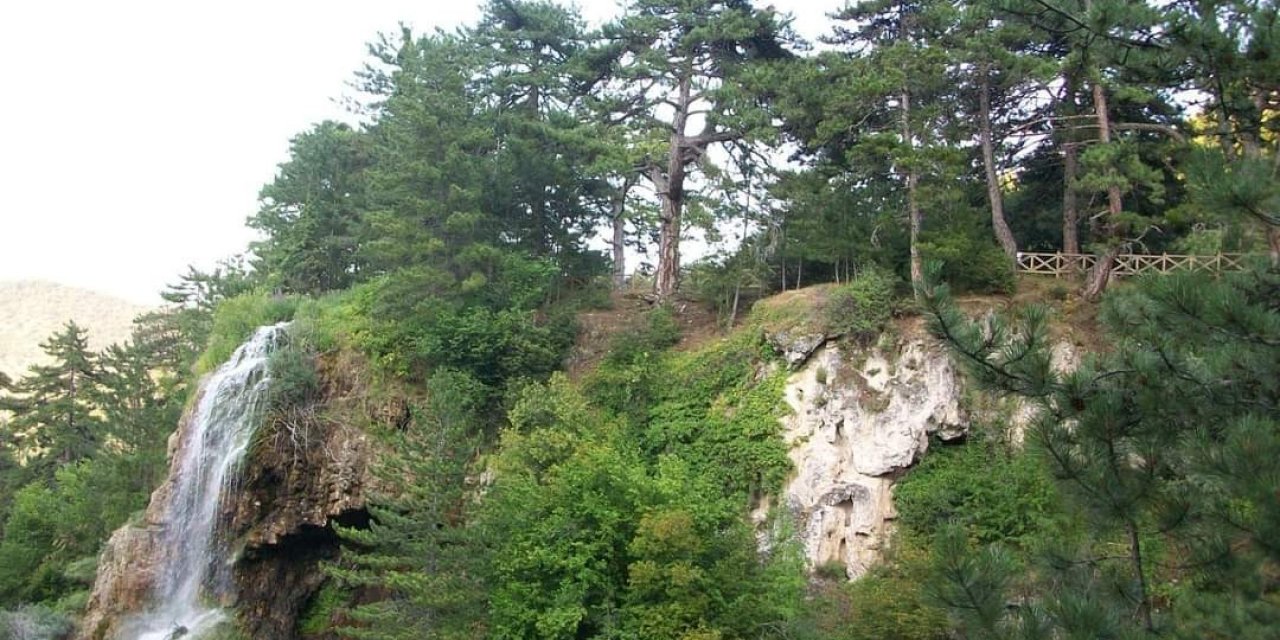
<point>236,319</point>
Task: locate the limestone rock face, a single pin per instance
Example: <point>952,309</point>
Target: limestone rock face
<point>796,345</point>
<point>860,418</point>
<point>128,564</point>
<point>302,475</point>
<point>126,571</point>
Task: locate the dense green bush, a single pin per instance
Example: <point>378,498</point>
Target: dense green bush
<point>52,528</point>
<point>716,410</point>
<point>861,308</point>
<point>410,327</point>
<point>598,539</point>
<point>294,381</point>
<point>994,494</point>
<point>973,262</point>
<point>890,602</point>
<point>34,622</point>
<point>627,379</point>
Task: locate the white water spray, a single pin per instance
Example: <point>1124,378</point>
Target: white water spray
<point>195,563</point>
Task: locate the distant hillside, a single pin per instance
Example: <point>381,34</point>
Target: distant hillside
<point>30,311</point>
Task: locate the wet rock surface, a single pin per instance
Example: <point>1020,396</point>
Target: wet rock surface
<point>304,473</point>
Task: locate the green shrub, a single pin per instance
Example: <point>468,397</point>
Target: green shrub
<point>862,308</point>
<point>34,622</point>
<point>294,381</point>
<point>234,321</point>
<point>833,570</point>
<point>714,408</point>
<point>889,603</point>
<point>627,380</point>
<point>318,614</point>
<point>410,329</point>
<point>659,333</point>
<point>973,263</point>
<point>995,495</point>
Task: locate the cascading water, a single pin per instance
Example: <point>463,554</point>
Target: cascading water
<point>194,566</point>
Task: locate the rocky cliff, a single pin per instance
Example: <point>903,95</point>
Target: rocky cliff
<point>861,416</point>
<point>305,472</point>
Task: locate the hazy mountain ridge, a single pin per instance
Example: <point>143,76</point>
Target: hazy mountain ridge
<point>32,310</point>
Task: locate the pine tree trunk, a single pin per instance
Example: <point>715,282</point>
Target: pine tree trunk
<point>1135,558</point>
<point>667,281</point>
<point>1070,171</point>
<point>913,202</point>
<point>1003,234</point>
<point>670,188</point>
<point>617,215</point>
<point>1101,274</point>
<point>619,253</point>
<point>1070,206</point>
<point>733,310</point>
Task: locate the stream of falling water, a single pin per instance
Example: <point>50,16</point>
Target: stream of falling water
<point>195,565</point>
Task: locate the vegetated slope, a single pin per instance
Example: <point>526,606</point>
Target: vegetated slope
<point>32,310</point>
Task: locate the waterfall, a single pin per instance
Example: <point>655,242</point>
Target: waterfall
<point>194,566</point>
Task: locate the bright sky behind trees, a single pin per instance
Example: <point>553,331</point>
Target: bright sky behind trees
<point>137,133</point>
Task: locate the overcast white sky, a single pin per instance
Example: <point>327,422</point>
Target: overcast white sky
<point>136,133</point>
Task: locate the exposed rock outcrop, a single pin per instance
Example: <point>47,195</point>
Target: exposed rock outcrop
<point>860,418</point>
<point>796,345</point>
<point>304,473</point>
<point>294,488</point>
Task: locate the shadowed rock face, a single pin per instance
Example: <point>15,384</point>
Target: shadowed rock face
<point>860,418</point>
<point>301,476</point>
<point>282,523</point>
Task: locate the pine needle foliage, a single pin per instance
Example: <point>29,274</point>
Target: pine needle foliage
<point>421,551</point>
<point>1165,444</point>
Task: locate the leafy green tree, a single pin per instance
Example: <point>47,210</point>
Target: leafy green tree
<point>310,213</point>
<point>52,524</point>
<point>595,541</point>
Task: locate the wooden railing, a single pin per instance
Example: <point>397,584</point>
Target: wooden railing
<point>1128,264</point>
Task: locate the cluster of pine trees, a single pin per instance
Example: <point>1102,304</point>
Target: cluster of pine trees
<point>461,216</point>
<point>919,130</point>
<point>83,444</point>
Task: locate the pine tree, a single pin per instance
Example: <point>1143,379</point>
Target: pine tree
<point>55,422</point>
<point>541,189</point>
<point>1166,437</point>
<point>671,69</point>
<point>311,212</point>
<point>422,550</point>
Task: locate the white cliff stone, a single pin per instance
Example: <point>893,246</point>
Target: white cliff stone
<point>859,419</point>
